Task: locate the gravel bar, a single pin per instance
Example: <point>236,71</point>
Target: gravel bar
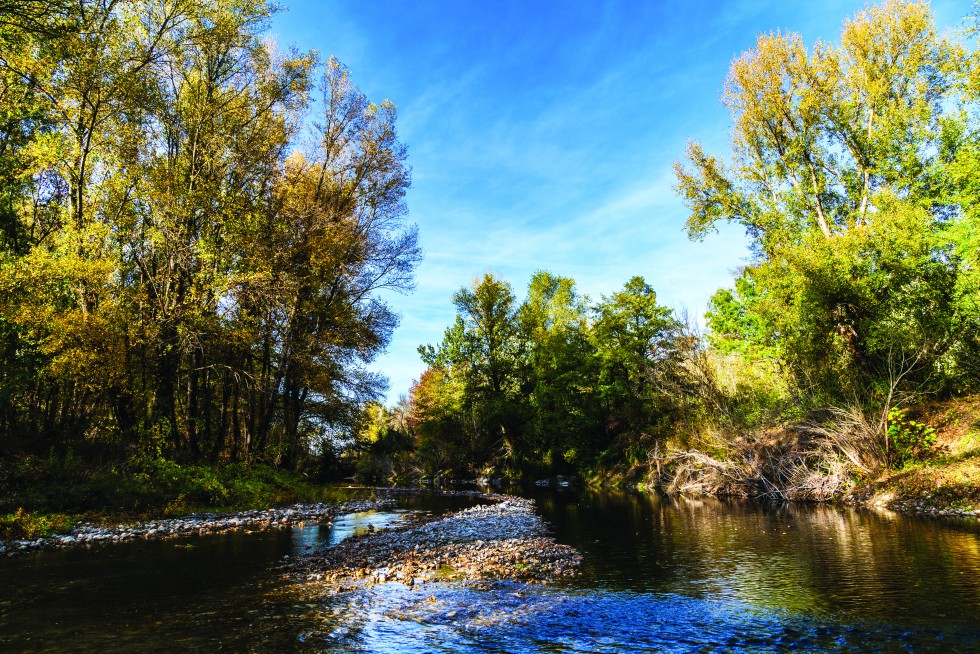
<point>502,540</point>
<point>87,534</point>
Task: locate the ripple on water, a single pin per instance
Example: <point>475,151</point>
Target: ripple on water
<point>510,617</point>
<point>659,576</point>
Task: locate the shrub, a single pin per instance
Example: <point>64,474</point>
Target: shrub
<point>31,525</point>
<point>912,440</point>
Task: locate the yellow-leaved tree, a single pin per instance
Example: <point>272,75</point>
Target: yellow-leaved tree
<point>836,172</point>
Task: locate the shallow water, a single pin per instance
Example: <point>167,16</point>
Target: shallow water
<point>659,575</point>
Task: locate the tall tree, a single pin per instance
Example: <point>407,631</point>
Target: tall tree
<point>176,264</point>
<point>635,340</point>
<point>565,416</point>
<point>831,174</point>
<point>486,349</point>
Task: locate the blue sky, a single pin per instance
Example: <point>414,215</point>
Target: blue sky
<point>542,134</point>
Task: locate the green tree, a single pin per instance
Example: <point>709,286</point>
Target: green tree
<point>956,170</point>
<point>564,411</point>
<point>736,322</point>
<point>636,342</point>
<point>486,350</point>
<point>831,174</point>
<point>551,385</point>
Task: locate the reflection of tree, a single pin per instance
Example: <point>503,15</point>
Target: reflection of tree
<point>799,558</point>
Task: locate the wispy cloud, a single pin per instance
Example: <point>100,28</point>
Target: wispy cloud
<point>542,135</point>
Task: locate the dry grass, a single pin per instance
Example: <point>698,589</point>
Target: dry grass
<point>785,464</point>
<point>820,461</point>
<point>854,435</point>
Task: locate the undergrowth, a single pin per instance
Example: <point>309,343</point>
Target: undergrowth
<point>32,525</point>
<point>38,495</point>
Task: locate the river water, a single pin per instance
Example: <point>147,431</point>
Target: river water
<point>659,575</point>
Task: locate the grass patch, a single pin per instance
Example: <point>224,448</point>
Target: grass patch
<point>942,483</point>
<point>39,495</point>
<point>23,525</point>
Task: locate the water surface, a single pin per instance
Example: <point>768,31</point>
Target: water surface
<point>659,575</point>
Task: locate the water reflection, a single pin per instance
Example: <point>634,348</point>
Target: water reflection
<point>800,558</point>
<point>314,537</point>
<point>209,593</point>
<point>663,575</point>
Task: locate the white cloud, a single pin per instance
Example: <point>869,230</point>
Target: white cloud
<point>542,135</point>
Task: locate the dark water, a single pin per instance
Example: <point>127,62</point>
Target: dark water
<point>659,576</point>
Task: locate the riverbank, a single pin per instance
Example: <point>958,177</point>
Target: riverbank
<point>936,487</point>
<point>941,488</point>
<point>87,534</point>
<point>70,482</point>
<point>814,462</point>
<point>43,497</point>
<point>505,539</point>
<point>946,481</point>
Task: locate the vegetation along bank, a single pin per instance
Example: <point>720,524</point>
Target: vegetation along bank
<point>190,292</point>
<point>842,364</point>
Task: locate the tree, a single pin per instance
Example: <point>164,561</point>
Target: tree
<point>84,70</point>
<point>439,422</point>
<point>329,235</point>
<point>548,386</point>
<point>816,136</point>
<point>635,340</point>
<point>736,321</point>
<point>175,263</point>
<point>956,169</point>
<point>380,447</point>
<point>833,175</point>
<point>485,350</point>
<point>564,411</point>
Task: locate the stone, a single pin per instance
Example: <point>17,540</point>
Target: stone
<point>505,539</point>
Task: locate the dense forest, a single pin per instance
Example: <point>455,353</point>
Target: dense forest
<point>195,224</point>
<point>854,170</point>
<point>193,227</point>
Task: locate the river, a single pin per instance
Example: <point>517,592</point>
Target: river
<point>659,575</point>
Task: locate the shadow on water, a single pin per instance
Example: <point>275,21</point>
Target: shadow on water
<point>813,559</point>
<point>659,575</point>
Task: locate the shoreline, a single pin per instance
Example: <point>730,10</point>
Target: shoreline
<point>87,534</point>
<point>867,498</point>
<point>503,539</point>
<point>937,491</point>
<point>860,497</point>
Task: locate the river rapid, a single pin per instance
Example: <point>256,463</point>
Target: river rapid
<point>658,575</point>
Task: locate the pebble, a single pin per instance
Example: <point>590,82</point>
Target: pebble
<point>921,507</point>
<point>86,533</point>
<point>502,540</point>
